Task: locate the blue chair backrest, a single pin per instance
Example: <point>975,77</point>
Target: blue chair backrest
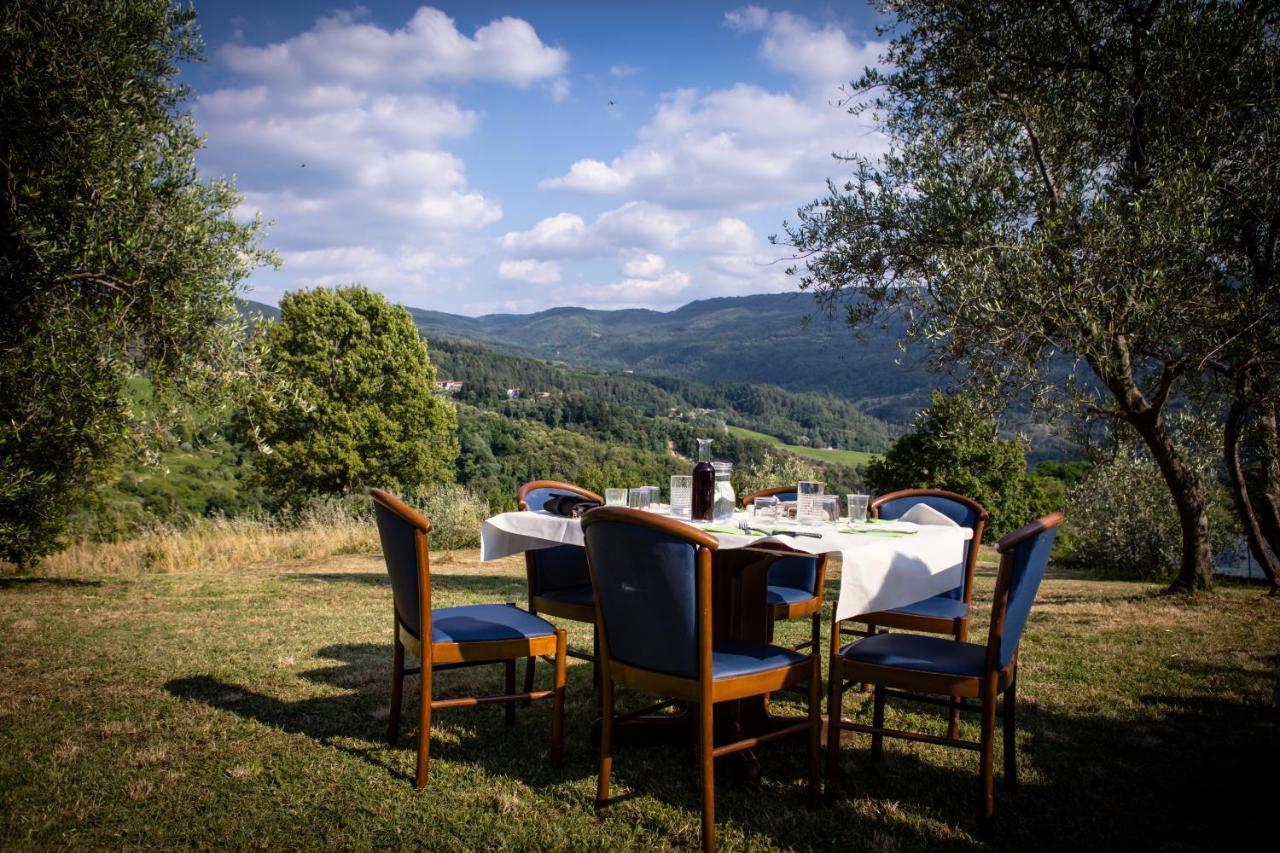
<point>1027,565</point>
<point>401,556</point>
<point>646,581</point>
<point>795,572</point>
<point>559,567</point>
<point>962,514</point>
<point>535,498</point>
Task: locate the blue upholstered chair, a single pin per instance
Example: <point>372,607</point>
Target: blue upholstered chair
<point>910,665</point>
<point>795,583</point>
<point>455,636</point>
<point>652,579</point>
<point>947,612</point>
<point>559,582</point>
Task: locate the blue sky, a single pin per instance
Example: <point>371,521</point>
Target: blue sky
<point>509,157</point>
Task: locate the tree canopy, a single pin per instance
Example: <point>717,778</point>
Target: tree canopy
<point>1060,211</point>
<point>360,408</point>
<point>954,445</point>
<point>115,258</point>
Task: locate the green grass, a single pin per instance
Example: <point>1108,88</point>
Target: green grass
<point>246,708</point>
<point>821,454</point>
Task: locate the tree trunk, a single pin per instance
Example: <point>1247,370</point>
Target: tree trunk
<point>1195,571</point>
<point>1240,494</point>
<point>1269,506</point>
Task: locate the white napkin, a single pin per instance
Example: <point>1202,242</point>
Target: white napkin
<point>922,513</point>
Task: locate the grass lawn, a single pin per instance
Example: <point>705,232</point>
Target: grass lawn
<point>246,708</point>
<point>821,454</point>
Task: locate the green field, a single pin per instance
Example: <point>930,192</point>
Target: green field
<point>839,457</point>
<point>246,707</point>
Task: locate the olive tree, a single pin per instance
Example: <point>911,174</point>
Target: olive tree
<point>1050,215</point>
<point>115,258</point>
<point>359,407</point>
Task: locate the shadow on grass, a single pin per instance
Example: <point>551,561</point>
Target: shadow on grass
<point>26,581</point>
<point>1173,781</point>
<point>355,722</point>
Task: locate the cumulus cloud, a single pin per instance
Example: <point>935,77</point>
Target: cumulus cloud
<point>738,148</point>
<point>337,137</point>
<point>792,43</point>
<point>644,265</point>
<point>341,47</point>
<point>534,272</point>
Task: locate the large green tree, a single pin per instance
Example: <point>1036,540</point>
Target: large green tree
<point>1052,211</point>
<point>955,445</point>
<point>115,259</point>
<point>358,406</point>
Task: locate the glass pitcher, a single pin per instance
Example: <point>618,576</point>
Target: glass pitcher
<point>725,500</point>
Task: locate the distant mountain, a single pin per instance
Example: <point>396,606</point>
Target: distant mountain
<point>249,308</point>
<point>779,339</point>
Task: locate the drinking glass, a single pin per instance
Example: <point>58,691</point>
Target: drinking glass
<point>615,497</point>
<point>653,496</point>
<point>638,498</point>
<point>806,501</point>
<point>857,507</point>
<point>828,507</point>
<point>682,495</point>
<point>765,508</point>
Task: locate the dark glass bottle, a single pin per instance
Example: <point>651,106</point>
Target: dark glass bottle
<point>704,483</point>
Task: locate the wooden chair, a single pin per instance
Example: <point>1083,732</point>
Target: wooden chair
<point>652,579</point>
<point>558,578</point>
<point>947,612</point>
<point>456,636</point>
<point>795,583</point>
<point>907,665</point>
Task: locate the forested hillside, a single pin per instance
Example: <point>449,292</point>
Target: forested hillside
<point>776,339</point>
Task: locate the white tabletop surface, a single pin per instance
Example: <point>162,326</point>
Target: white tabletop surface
<point>877,572</point>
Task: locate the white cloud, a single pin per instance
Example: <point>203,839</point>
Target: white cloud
<point>337,138</point>
<point>668,288</point>
<point>623,70</point>
<point>560,90</point>
<point>429,46</point>
<point>534,272</point>
<point>562,235</point>
<point>644,265</point>
<point>792,43</point>
<point>731,149</point>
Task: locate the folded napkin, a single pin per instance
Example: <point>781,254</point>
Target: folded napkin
<point>569,506</point>
<point>922,513</point>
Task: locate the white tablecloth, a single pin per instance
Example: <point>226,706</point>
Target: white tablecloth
<point>877,572</point>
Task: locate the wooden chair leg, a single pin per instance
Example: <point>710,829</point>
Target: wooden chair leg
<point>557,710</point>
<point>815,729</point>
<point>1010,735</point>
<point>595,665</point>
<point>815,631</point>
<point>530,662</point>
<point>528,678</point>
<point>397,689</point>
<point>986,804</point>
<point>510,685</point>
<point>953,724</point>
<point>877,720</point>
<point>707,762</point>
<point>424,724</point>
<point>835,702</point>
<point>606,737</point>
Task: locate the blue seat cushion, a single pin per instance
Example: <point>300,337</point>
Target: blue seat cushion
<point>480,623</point>
<point>736,657</point>
<point>940,607</point>
<point>926,654</point>
<point>788,595</point>
<point>582,595</point>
